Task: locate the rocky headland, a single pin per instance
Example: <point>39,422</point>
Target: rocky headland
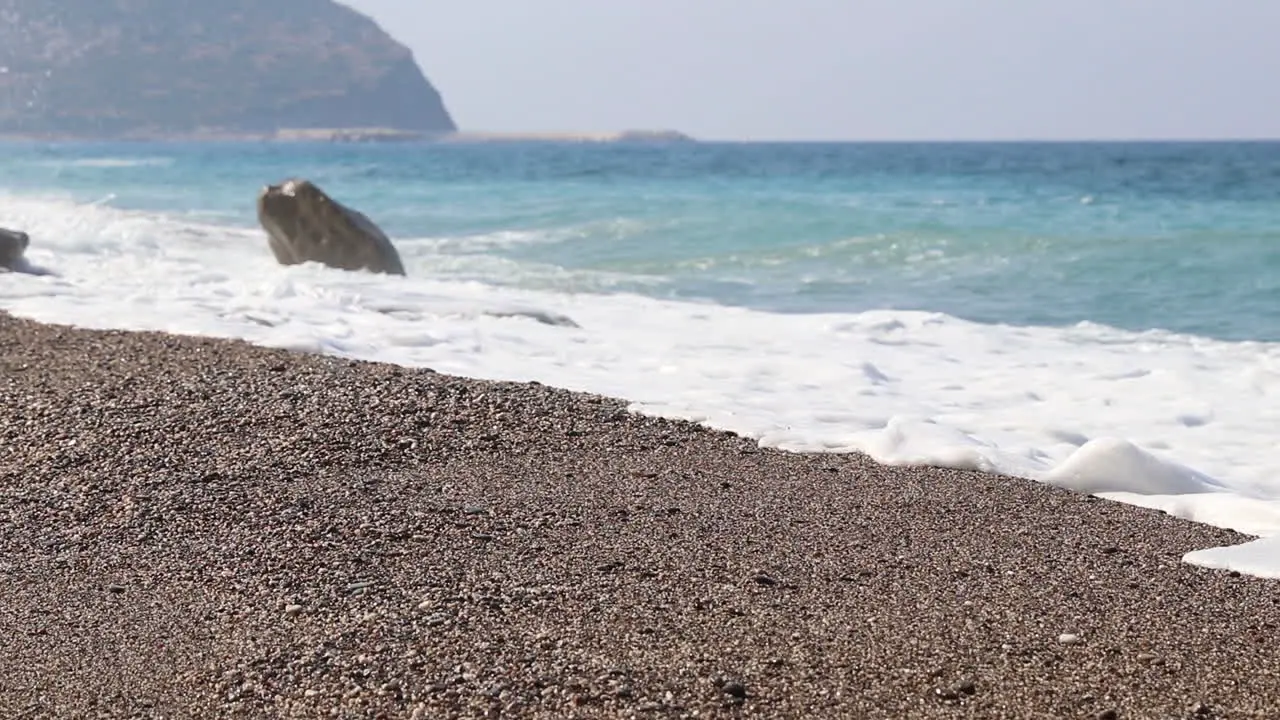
<point>158,69</point>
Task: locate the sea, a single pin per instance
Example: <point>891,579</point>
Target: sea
<point>1098,316</point>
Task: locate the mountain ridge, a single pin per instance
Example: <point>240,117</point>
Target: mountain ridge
<point>183,68</point>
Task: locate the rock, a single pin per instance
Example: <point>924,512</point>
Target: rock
<point>305,225</point>
<point>12,245</point>
<point>546,318</point>
<point>734,689</point>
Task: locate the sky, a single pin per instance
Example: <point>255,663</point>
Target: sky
<point>852,69</point>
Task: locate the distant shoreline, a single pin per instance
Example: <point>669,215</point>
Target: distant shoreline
<point>662,137</point>
<point>366,135</point>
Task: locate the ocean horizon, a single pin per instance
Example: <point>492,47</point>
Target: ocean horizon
<point>1100,315</point>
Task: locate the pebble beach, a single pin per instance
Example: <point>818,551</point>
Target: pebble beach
<point>204,528</point>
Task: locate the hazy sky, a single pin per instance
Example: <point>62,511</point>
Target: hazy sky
<point>852,69</point>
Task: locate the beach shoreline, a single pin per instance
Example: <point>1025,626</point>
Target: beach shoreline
<point>201,526</point>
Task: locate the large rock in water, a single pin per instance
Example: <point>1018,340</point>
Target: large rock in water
<point>12,245</point>
<point>305,225</point>
<point>172,68</point>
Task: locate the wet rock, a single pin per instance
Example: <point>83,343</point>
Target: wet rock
<point>12,246</point>
<point>304,224</point>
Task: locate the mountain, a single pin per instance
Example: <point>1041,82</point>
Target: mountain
<point>163,68</point>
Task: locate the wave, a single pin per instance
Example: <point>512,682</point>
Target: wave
<point>110,162</point>
<point>1173,421</point>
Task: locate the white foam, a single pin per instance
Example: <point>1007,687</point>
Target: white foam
<point>111,162</point>
<point>1127,415</point>
<point>1252,558</point>
<point>478,242</point>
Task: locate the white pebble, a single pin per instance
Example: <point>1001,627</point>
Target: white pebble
<point>1069,639</point>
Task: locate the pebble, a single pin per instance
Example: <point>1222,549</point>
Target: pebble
<point>735,690</point>
<point>292,610</point>
<point>1070,639</point>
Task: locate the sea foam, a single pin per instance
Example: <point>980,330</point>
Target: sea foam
<point>1174,422</point>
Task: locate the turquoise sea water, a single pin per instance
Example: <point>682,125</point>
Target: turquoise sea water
<point>1184,237</point>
